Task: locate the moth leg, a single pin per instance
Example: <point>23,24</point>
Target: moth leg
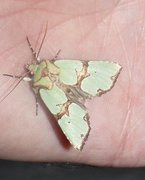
<point>18,77</point>
<point>34,54</point>
<point>37,104</point>
<point>36,100</point>
<point>12,76</point>
<point>56,56</point>
<point>28,79</point>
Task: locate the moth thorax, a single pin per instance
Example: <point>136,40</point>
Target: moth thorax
<point>32,68</point>
<point>53,69</point>
<point>44,72</point>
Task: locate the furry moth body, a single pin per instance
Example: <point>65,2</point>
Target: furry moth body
<point>64,85</point>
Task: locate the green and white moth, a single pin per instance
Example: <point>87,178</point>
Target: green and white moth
<point>64,85</point>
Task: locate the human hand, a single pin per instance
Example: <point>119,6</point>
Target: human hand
<point>103,30</point>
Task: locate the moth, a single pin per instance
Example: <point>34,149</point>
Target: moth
<point>65,85</point>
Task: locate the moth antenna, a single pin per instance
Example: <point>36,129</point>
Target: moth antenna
<point>55,57</point>
<point>42,42</point>
<point>34,54</point>
<point>20,79</point>
<point>12,76</point>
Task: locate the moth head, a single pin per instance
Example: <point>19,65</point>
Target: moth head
<point>32,68</point>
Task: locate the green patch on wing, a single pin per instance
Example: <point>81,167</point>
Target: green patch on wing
<point>101,78</point>
<point>53,99</point>
<point>68,70</point>
<point>75,125</point>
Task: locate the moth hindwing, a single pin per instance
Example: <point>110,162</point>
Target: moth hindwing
<point>64,85</point>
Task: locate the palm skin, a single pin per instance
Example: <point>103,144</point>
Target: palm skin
<point>82,30</point>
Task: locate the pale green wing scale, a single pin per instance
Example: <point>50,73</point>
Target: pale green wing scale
<point>72,118</point>
<point>68,70</point>
<point>53,99</point>
<point>101,77</point>
<point>92,77</point>
<point>75,125</point>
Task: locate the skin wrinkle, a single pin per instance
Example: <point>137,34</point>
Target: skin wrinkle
<point>53,28</point>
<point>11,48</point>
<point>131,130</point>
<point>19,43</point>
<point>82,34</point>
<point>127,120</point>
<point>38,38</point>
<point>108,14</point>
<point>138,49</point>
<point>91,31</point>
<point>86,36</point>
<point>127,131</point>
<point>127,58</point>
<point>142,34</point>
<point>136,52</point>
<point>123,4</point>
<point>13,13</point>
<point>9,88</point>
<point>8,81</point>
<point>127,128</point>
<point>130,109</point>
<point>106,36</point>
<point>124,49</point>
<point>123,139</point>
<point>81,27</point>
<point>83,14</point>
<point>21,10</point>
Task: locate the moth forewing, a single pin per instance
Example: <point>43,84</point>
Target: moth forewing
<point>68,71</point>
<point>54,99</point>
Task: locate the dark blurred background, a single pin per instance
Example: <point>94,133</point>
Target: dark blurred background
<point>54,171</point>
